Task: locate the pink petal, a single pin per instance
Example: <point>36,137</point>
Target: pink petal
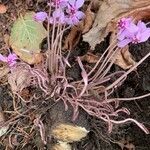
<point>68,21</point>
<point>132,28</point>
<point>80,15</point>
<point>124,23</point>
<point>40,16</point>
<point>79,3</point>
<point>3,58</point>
<point>142,26</point>
<point>122,34</point>
<point>75,20</point>
<point>63,3</point>
<point>12,57</point>
<point>124,42</point>
<point>145,35</point>
<point>58,16</point>
<point>56,13</point>
<point>72,2</point>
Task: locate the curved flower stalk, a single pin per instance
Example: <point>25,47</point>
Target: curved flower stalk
<point>92,92</point>
<point>64,15</point>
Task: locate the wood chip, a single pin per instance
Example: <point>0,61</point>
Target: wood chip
<point>3,9</point>
<point>90,58</point>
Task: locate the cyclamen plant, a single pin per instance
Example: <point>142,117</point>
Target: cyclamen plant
<point>66,12</point>
<point>132,33</point>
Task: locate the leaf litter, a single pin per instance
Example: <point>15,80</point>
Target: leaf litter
<point>22,77</point>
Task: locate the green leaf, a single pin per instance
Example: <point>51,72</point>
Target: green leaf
<point>26,37</point>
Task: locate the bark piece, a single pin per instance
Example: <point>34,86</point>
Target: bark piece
<point>69,133</point>
<point>124,59</point>
<point>90,58</point>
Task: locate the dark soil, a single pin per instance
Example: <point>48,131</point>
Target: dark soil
<point>137,83</point>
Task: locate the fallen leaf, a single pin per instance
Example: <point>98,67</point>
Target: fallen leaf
<point>88,21</point>
<point>124,59</point>
<point>73,38</point>
<point>95,4</point>
<point>4,71</point>
<point>6,39</point>
<point>90,58</point>
<point>111,11</point>
<point>3,9</point>
<point>19,78</point>
<point>26,36</point>
<point>23,75</point>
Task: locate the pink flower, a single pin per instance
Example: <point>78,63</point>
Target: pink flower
<point>74,15</point>
<point>132,33</point>
<point>58,17</point>
<point>11,59</point>
<point>143,33</point>
<point>40,16</point>
<point>126,26</point>
<point>124,23</point>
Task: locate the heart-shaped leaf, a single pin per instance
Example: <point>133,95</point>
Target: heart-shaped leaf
<point>26,36</point>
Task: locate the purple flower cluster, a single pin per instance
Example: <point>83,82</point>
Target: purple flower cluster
<point>132,33</point>
<point>66,12</point>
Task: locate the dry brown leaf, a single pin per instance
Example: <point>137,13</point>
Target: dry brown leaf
<point>88,21</point>
<point>90,58</point>
<point>124,58</point>
<point>3,9</point>
<point>112,10</point>
<point>72,38</point>
<point>4,71</point>
<point>19,78</point>
<point>95,4</point>
<point>6,39</point>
